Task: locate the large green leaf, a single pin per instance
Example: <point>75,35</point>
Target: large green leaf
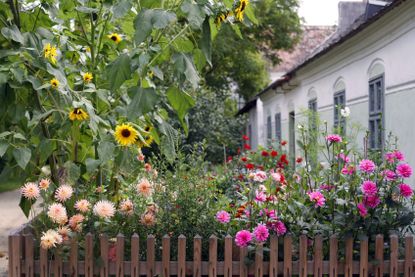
<point>143,101</point>
<point>3,147</point>
<point>206,42</point>
<point>148,19</point>
<point>121,8</point>
<point>72,171</point>
<point>195,14</point>
<point>118,71</point>
<point>26,205</point>
<point>22,156</point>
<point>184,64</point>
<point>169,141</point>
<point>181,103</point>
<point>105,150</point>
<point>12,33</point>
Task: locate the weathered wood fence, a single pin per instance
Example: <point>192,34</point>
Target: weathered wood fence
<point>22,262</point>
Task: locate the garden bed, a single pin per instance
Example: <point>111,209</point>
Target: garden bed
<point>298,256</point>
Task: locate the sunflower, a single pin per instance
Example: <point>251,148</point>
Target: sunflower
<point>148,138</point>
<point>125,134</point>
<point>240,9</point>
<point>87,77</point>
<point>50,52</point>
<point>54,83</point>
<point>222,17</point>
<point>115,37</point>
<point>78,114</point>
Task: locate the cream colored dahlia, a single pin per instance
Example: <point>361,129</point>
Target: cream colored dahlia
<point>127,207</point>
<point>57,213</point>
<point>30,191</point>
<point>44,184</point>
<point>65,232</point>
<point>104,209</point>
<point>75,222</point>
<point>63,193</point>
<point>82,205</point>
<point>145,188</point>
<point>50,239</point>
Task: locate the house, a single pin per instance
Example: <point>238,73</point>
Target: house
<point>367,64</point>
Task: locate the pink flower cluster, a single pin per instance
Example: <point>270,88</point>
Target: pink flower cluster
<point>405,190</point>
<point>317,197</point>
<point>334,138</point>
<point>393,156</point>
<point>404,170</point>
<point>223,217</point>
<point>367,166</point>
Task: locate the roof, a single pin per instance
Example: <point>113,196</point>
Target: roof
<point>334,40</point>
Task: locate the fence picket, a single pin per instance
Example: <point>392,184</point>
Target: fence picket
<point>16,255</point>
<point>44,270</point>
<point>379,256</point>
<point>57,265</point>
<point>348,259</point>
<point>165,259</point>
<point>29,255</point>
<point>73,258</point>
<point>273,257</point>
<point>151,256</point>
<point>135,255</point>
<point>394,256</point>
<point>303,256</point>
<point>89,255</point>
<point>181,257</point>
<point>409,252</point>
<point>119,262</point>
<point>333,265</point>
<point>213,255</point>
<point>318,256</point>
<point>197,256</point>
<point>364,258</point>
<point>243,269</point>
<point>103,245</point>
<point>259,260</point>
<point>228,256</point>
<point>287,256</point>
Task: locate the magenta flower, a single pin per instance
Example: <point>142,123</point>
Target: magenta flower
<point>280,228</point>
<point>327,187</point>
<point>362,209</point>
<point>399,155</point>
<point>389,175</point>
<point>260,196</point>
<point>317,197</point>
<point>243,238</point>
<point>369,188</point>
<point>344,157</point>
<point>371,201</point>
<point>348,170</point>
<point>367,166</point>
<point>223,217</point>
<point>404,170</point>
<point>390,157</point>
<point>261,233</point>
<point>334,138</point>
<point>405,190</point>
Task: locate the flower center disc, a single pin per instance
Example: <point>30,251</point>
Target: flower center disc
<point>125,133</point>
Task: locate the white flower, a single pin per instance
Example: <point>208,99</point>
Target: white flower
<point>345,112</point>
<point>300,127</point>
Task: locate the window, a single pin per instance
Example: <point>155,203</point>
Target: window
<point>269,129</point>
<point>312,107</point>
<point>376,116</point>
<point>278,126</point>
<point>291,126</point>
<point>339,103</point>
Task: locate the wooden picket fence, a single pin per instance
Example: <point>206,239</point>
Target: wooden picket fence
<point>22,262</point>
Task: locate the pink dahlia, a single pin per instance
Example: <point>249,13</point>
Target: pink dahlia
<point>367,166</point>
<point>344,157</point>
<point>371,201</point>
<point>127,207</point>
<point>404,170</point>
<point>63,193</point>
<point>243,238</point>
<point>82,205</point>
<point>44,184</point>
<point>405,190</point>
<point>399,155</point>
<point>317,197</point>
<point>280,228</point>
<point>362,209</point>
<point>369,188</point>
<point>57,213</point>
<point>390,157</point>
<point>327,187</point>
<point>389,175</point>
<point>334,138</point>
<point>260,176</point>
<point>260,196</point>
<point>30,191</point>
<point>104,209</point>
<point>223,217</point>
<point>261,233</point>
<point>348,170</point>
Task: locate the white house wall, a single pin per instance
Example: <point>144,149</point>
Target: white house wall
<point>389,42</point>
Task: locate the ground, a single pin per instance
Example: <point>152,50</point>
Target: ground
<point>11,217</point>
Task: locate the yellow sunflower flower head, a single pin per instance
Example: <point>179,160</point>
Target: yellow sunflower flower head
<point>125,134</point>
<point>87,77</point>
<point>50,52</point>
<point>54,83</point>
<point>240,9</point>
<point>222,17</point>
<point>115,37</point>
<point>78,114</point>
<point>148,138</point>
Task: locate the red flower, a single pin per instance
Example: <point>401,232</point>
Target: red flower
<point>244,159</point>
<point>260,167</point>
<point>245,137</point>
<point>283,159</point>
<point>264,153</point>
<point>274,153</point>
<point>283,142</point>
<point>247,146</point>
<point>299,160</point>
<point>238,151</point>
<point>249,166</point>
<point>241,177</point>
<point>229,159</point>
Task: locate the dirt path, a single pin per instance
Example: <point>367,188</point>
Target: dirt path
<point>11,217</point>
